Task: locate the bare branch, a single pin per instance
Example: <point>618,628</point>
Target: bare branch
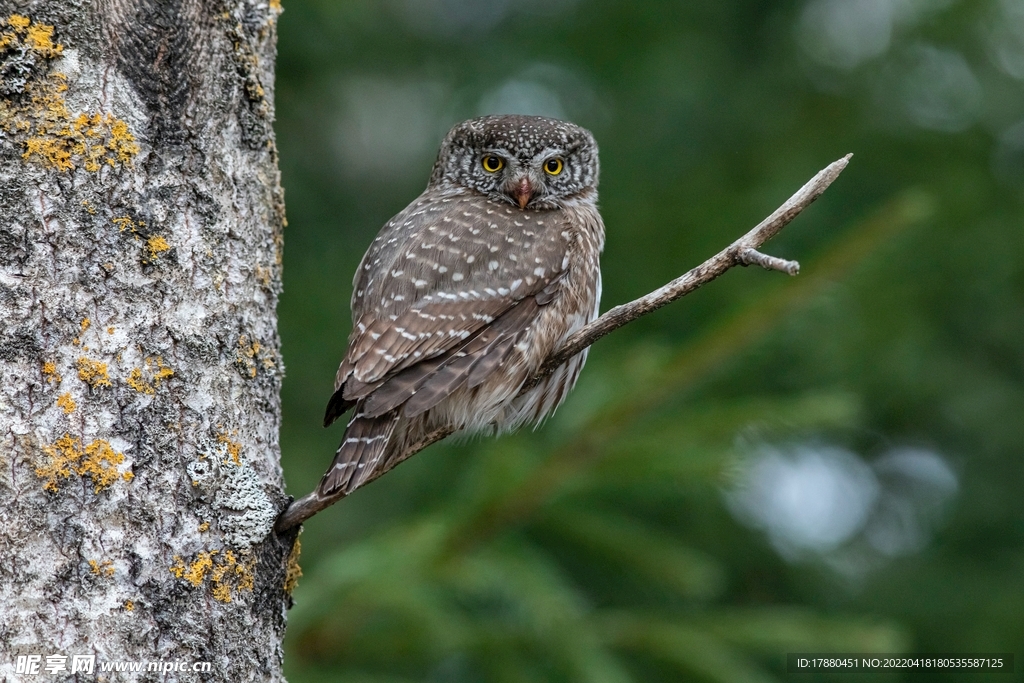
<point>742,252</point>
<point>752,257</point>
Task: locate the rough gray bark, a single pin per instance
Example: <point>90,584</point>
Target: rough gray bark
<point>140,253</point>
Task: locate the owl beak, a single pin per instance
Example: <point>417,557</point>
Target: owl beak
<point>523,192</point>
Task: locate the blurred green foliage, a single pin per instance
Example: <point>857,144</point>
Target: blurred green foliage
<point>601,547</point>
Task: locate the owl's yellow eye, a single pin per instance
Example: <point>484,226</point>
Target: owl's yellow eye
<point>492,164</point>
<point>553,166</point>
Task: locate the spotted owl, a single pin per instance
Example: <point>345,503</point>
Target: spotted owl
<point>465,293</point>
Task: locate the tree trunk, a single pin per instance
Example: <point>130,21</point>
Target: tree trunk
<point>140,265</point>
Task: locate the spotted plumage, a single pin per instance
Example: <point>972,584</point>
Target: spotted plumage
<point>465,293</point>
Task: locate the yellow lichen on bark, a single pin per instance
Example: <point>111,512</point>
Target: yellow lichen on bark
<point>67,403</point>
<point>35,36</point>
<point>233,447</point>
<point>39,37</point>
<point>195,572</point>
<point>64,455</point>
<point>50,372</point>
<point>136,382</point>
<point>248,353</point>
<point>231,573</point>
<point>225,572</point>
<point>98,461</point>
<point>63,140</point>
<point>293,571</point>
<point>263,276</point>
<point>162,372</point>
<point>124,223</point>
<point>158,371</point>
<point>19,22</point>
<point>50,133</point>
<point>156,246</point>
<point>102,568</point>
<point>93,372</point>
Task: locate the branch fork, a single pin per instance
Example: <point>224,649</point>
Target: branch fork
<point>742,252</point>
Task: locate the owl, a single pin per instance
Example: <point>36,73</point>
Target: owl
<point>465,293</point>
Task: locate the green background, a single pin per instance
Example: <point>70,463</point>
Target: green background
<point>826,463</point>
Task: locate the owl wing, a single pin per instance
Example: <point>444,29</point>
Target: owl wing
<point>442,296</point>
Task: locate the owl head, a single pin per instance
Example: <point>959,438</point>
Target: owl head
<point>528,161</point>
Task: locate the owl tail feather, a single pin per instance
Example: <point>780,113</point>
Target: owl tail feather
<point>360,453</point>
